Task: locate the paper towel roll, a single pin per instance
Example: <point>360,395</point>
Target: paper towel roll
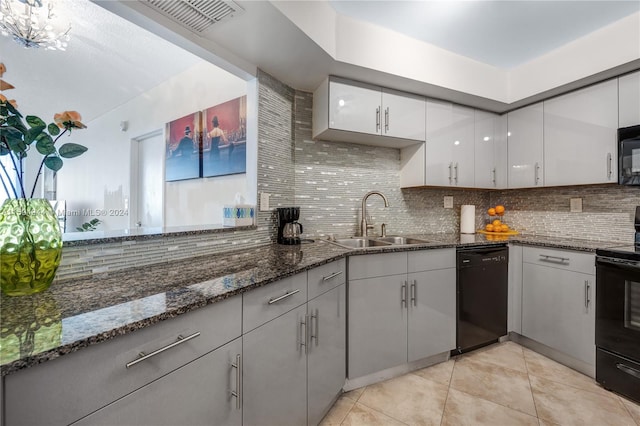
<point>468,219</point>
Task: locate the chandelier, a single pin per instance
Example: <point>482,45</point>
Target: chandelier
<point>31,24</point>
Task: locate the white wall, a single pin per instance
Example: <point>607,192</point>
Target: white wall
<point>100,178</point>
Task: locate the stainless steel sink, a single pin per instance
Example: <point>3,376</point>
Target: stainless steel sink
<point>360,243</point>
<point>401,240</point>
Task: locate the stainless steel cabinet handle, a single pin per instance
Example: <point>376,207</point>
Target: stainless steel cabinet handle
<point>414,293</point>
<point>328,277</point>
<point>284,296</point>
<point>304,330</point>
<point>143,356</point>
<point>314,316</point>
<point>493,173</point>
<point>556,259</point>
<point>403,295</point>
<point>456,175</point>
<point>632,371</point>
<point>377,119</point>
<point>537,173</point>
<point>386,120</point>
<point>609,165</point>
<point>450,172</point>
<point>586,294</point>
<point>238,392</point>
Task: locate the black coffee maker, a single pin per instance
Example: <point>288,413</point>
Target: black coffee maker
<point>289,230</point>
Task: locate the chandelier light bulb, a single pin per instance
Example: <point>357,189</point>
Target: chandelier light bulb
<point>31,24</point>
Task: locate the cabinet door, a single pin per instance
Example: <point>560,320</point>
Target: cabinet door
<point>449,146</point>
<point>629,100</point>
<point>439,145</point>
<point>275,372</point>
<point>580,136</point>
<point>490,150</point>
<point>432,313</point>
<point>326,370</point>
<point>198,393</point>
<point>463,146</point>
<point>558,311</point>
<point>525,136</point>
<point>356,108</point>
<point>403,115</point>
<point>514,305</point>
<point>377,324</point>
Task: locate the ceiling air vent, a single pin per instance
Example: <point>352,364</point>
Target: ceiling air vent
<point>197,15</point>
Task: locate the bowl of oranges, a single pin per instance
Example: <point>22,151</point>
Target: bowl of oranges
<point>496,225</point>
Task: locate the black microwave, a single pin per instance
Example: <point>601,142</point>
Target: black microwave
<point>629,155</point>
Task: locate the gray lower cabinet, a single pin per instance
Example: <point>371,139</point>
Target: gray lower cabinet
<point>432,313</point>
<point>558,310</point>
<point>275,371</point>
<point>558,303</point>
<point>400,318</point>
<point>326,361</point>
<point>377,324</point>
<point>294,365</point>
<point>199,393</point>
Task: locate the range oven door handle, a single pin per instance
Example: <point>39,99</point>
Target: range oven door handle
<point>626,369</point>
<point>618,263</point>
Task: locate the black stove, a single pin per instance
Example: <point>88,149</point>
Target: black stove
<point>618,317</point>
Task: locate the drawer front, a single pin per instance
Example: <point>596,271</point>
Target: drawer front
<point>428,260</point>
<point>74,385</point>
<point>266,303</point>
<point>563,259</point>
<point>326,277</point>
<point>377,265</point>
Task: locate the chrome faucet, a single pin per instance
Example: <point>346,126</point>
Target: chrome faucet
<point>364,227</point>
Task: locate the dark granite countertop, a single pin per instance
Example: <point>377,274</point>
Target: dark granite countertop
<point>77,313</point>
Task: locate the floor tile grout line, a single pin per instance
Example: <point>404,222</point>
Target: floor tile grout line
<point>381,412</point>
<point>526,365</point>
<point>498,403</point>
<point>628,411</point>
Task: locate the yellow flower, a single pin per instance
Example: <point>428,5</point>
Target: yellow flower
<point>68,120</point>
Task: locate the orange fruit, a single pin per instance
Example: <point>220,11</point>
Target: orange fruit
<point>500,210</point>
<point>496,223</point>
<point>489,227</point>
<point>504,228</point>
<point>491,211</point>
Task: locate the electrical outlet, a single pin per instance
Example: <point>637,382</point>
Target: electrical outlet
<point>448,202</point>
<point>264,201</point>
<point>576,205</point>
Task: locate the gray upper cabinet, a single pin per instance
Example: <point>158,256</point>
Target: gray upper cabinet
<point>349,111</point>
<point>525,147</point>
<point>629,100</point>
<point>580,140</point>
<point>490,138</point>
<point>197,394</point>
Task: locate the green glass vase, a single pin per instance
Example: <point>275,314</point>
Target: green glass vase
<point>30,246</point>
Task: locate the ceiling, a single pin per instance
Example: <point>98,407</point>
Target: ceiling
<point>108,62</point>
<point>111,60</point>
<point>504,34</point>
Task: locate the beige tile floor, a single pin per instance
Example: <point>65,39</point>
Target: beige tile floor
<point>502,384</point>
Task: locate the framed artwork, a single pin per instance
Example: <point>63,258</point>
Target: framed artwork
<point>183,137</point>
<point>224,144</point>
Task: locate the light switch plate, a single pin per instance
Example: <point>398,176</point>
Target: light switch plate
<point>264,201</point>
<point>576,205</point>
<point>448,202</point>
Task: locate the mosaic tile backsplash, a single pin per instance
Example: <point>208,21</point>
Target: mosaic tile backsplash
<point>328,180</point>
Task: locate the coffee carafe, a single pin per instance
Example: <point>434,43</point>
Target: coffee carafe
<point>289,230</point>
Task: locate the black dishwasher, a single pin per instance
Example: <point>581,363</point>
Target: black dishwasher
<point>482,287</point>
